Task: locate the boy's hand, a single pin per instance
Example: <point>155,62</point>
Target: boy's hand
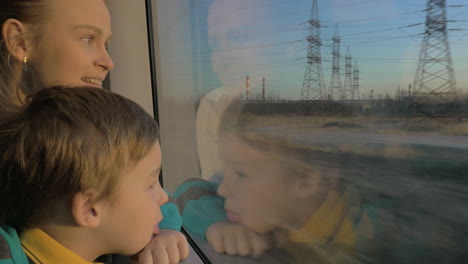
<point>167,247</point>
<point>235,239</point>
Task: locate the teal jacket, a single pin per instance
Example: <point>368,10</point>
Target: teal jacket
<point>199,205</point>
<point>171,216</point>
<point>10,247</point>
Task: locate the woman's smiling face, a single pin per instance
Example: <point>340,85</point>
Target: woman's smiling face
<point>72,47</point>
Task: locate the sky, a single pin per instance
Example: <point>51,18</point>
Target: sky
<point>382,39</point>
<point>229,39</point>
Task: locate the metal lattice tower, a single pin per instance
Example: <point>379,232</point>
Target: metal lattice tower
<point>348,83</point>
<point>313,86</point>
<point>334,91</point>
<point>435,79</point>
<point>355,94</point>
<point>247,88</point>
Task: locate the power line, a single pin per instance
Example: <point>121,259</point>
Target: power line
<point>243,48</point>
<point>378,17</point>
<point>384,39</point>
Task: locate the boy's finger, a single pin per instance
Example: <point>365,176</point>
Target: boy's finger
<point>159,256</point>
<point>230,245</point>
<point>173,254</point>
<point>143,258</point>
<point>260,244</point>
<point>217,242</point>
<point>244,243</point>
<point>183,248</point>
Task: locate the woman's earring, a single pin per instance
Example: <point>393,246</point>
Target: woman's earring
<point>25,64</point>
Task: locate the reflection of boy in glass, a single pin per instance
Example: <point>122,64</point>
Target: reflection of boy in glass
<point>232,28</point>
<point>267,187</point>
<point>329,204</point>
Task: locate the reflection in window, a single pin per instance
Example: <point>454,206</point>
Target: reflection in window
<point>317,131</point>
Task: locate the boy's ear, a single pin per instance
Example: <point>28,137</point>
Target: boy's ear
<point>85,211</point>
<point>306,182</point>
<point>14,32</point>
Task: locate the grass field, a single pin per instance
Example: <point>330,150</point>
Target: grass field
<point>381,125</point>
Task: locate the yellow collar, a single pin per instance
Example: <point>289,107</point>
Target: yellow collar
<point>41,248</point>
<point>331,223</point>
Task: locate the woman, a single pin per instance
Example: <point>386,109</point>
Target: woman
<point>50,42</point>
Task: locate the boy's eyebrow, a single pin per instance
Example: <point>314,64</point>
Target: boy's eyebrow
<point>91,27</point>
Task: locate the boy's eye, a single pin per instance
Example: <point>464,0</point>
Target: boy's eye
<point>240,174</point>
<point>153,185</point>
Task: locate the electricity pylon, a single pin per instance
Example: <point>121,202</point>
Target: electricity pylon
<point>313,86</point>
<point>355,94</point>
<point>348,83</point>
<point>434,93</point>
<point>334,90</point>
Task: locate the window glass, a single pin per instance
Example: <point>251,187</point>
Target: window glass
<point>310,131</point>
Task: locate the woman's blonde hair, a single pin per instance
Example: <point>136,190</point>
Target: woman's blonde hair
<point>67,140</point>
<point>33,13</point>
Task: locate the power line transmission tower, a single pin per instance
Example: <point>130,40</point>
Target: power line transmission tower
<point>334,91</point>
<point>247,88</point>
<point>434,91</point>
<point>263,89</point>
<point>355,94</point>
<point>313,86</point>
<point>348,85</point>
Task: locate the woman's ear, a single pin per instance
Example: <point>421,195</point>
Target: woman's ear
<point>14,36</point>
<point>85,210</point>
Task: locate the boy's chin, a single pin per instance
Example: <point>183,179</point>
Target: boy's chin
<point>133,253</point>
<point>137,250</point>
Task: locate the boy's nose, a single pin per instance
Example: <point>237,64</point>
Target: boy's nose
<point>162,197</point>
<point>222,189</point>
<point>165,198</point>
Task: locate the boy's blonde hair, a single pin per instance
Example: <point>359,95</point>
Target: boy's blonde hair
<point>292,155</point>
<point>67,140</point>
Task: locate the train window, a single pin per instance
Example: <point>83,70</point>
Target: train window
<point>311,131</point>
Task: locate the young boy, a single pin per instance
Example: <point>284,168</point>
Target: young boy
<point>331,203</point>
<point>79,174</point>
